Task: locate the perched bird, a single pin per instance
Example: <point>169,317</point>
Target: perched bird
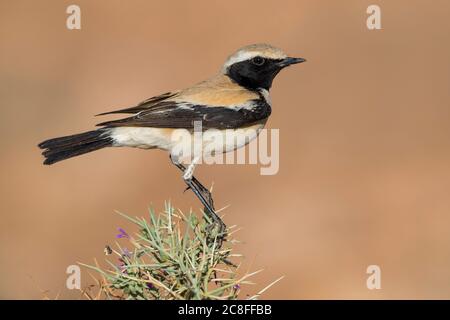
<point>235,101</point>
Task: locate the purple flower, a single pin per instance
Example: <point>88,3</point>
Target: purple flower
<point>150,286</point>
<point>126,253</point>
<point>122,234</point>
<point>237,286</point>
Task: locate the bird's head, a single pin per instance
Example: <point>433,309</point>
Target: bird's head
<point>255,66</point>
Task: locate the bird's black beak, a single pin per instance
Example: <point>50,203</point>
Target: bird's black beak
<point>289,60</point>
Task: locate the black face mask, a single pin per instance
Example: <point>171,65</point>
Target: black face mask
<point>255,73</point>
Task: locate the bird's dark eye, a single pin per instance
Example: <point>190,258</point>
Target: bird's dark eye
<point>258,61</point>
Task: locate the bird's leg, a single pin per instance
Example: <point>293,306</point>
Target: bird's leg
<point>204,195</point>
<point>204,191</point>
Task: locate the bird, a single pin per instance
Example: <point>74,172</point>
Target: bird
<point>235,101</point>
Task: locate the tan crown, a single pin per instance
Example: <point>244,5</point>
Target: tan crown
<point>253,50</point>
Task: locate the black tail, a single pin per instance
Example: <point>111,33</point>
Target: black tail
<point>62,148</point>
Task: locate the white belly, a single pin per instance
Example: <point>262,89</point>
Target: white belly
<point>212,141</point>
<point>140,137</point>
<point>230,139</point>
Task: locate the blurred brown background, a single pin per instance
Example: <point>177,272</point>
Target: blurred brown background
<point>364,126</point>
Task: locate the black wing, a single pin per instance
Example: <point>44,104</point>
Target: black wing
<point>144,105</point>
<point>176,115</point>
